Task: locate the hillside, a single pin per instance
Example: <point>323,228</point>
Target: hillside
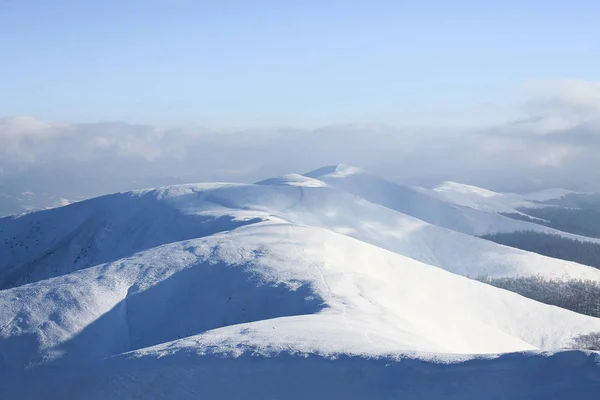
<point>425,206</point>
<point>487,200</point>
<point>176,291</point>
<point>479,198</point>
<point>51,243</point>
<point>273,287</point>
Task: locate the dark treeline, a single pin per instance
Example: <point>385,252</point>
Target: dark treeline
<point>589,201</point>
<point>551,245</point>
<point>591,341</point>
<point>579,295</point>
<point>584,222</point>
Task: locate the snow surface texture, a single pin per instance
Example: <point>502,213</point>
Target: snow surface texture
<point>289,288</point>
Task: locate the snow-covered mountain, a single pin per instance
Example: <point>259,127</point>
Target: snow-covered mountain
<point>447,213</point>
<point>178,291</point>
<point>484,199</point>
<point>45,244</point>
<point>487,200</point>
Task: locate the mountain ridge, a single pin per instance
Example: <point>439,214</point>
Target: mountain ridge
<point>291,268</point>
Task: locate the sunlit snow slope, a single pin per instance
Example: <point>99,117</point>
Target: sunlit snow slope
<point>453,213</point>
<point>49,243</point>
<point>180,291</point>
<point>479,198</point>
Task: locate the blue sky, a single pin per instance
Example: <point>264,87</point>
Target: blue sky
<point>288,63</point>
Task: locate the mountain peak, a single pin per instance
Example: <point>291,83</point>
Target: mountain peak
<point>334,171</point>
<point>293,180</point>
<point>464,188</point>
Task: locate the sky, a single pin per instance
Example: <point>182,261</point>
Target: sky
<point>305,64</point>
<point>105,96</point>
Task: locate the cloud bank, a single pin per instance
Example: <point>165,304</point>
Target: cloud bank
<point>554,143</point>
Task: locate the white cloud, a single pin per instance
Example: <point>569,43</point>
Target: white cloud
<point>571,94</point>
<point>560,126</point>
<point>562,105</point>
<point>555,143</point>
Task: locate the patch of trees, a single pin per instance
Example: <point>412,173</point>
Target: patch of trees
<point>590,201</point>
<point>584,222</point>
<point>550,245</point>
<point>579,295</point>
<point>591,341</point>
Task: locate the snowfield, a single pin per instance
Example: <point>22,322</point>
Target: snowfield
<point>289,288</point>
<point>481,199</point>
<point>487,200</point>
<point>455,211</point>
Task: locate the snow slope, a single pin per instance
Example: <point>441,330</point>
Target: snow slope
<point>424,206</point>
<point>178,291</point>
<point>53,242</point>
<point>268,289</point>
<point>59,241</point>
<point>487,200</point>
<point>479,198</point>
